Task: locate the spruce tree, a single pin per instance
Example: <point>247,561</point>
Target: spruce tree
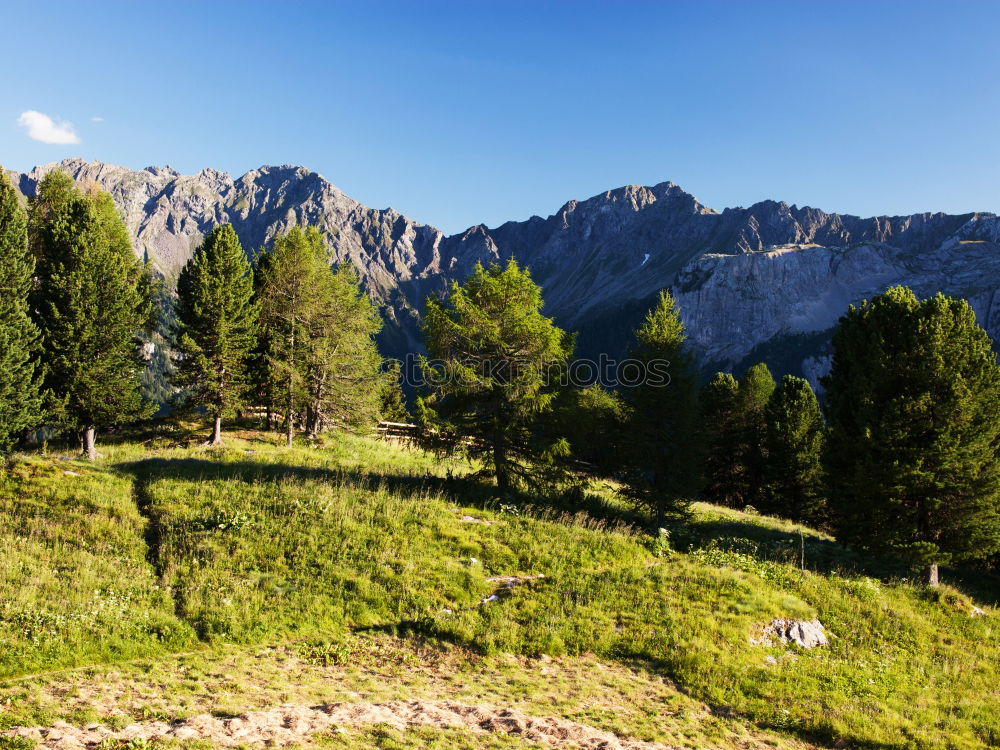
<point>20,403</point>
<point>493,373</point>
<point>913,402</point>
<point>216,326</point>
<point>663,420</point>
<point>92,301</point>
<point>723,467</point>
<point>793,443</point>
<point>319,329</point>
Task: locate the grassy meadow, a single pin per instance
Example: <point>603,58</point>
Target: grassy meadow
<point>160,556</point>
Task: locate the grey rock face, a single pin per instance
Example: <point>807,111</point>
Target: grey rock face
<point>745,278</point>
<point>734,302</point>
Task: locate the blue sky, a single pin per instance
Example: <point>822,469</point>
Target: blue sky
<point>457,113</point>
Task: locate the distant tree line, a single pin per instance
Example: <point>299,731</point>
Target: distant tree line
<point>903,459</point>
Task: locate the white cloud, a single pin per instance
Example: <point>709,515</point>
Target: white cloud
<point>97,119</point>
<point>43,128</point>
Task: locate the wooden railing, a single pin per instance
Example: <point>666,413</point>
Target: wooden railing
<point>397,431</point>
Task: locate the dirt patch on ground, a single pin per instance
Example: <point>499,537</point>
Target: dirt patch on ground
<point>291,724</point>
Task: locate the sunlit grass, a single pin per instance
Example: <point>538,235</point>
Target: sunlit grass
<point>165,548</point>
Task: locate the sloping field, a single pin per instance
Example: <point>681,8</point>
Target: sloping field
<point>370,574</point>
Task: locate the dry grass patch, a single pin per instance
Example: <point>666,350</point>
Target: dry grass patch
<point>379,669</point>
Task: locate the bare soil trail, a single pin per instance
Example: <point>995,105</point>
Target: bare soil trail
<point>291,724</point>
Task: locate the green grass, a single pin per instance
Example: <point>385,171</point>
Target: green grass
<point>172,549</point>
<point>75,584</point>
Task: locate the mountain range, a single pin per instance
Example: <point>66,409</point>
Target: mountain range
<point>764,283</point>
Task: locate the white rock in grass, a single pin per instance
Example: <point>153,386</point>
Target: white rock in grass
<point>803,633</point>
<point>472,519</point>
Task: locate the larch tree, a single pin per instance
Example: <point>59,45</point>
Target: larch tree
<point>663,425</point>
<point>259,369</point>
<point>793,443</point>
<point>323,364</point>
<point>492,372</point>
<point>20,402</point>
<point>596,423</point>
<point>733,420</point>
<point>91,303</point>
<point>288,280</point>
<point>216,326</point>
<point>913,405</point>
<point>342,365</point>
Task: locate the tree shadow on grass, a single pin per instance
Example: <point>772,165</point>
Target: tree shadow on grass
<point>467,491</point>
<point>822,556</point>
<point>780,545</point>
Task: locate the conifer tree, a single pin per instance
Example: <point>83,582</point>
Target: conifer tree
<point>596,423</point>
<point>92,300</point>
<point>493,373</point>
<point>914,414</point>
<point>216,326</point>
<point>733,418</point>
<point>343,366</point>
<point>663,420</point>
<point>393,406</point>
<point>259,369</point>
<point>756,387</point>
<point>723,467</point>
<point>319,327</point>
<point>289,278</point>
<point>20,403</point>
<point>793,443</point>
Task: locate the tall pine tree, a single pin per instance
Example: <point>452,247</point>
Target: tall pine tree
<point>663,418</point>
<point>91,302</point>
<point>793,443</point>
<point>216,326</point>
<point>20,403</point>
<point>914,413</point>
